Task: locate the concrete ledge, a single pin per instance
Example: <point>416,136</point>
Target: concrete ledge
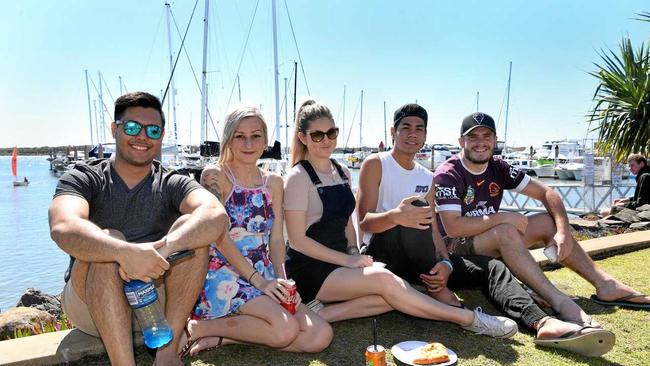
<point>608,244</point>
<point>53,348</point>
<point>71,345</point>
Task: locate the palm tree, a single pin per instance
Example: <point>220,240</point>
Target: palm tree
<point>622,110</point>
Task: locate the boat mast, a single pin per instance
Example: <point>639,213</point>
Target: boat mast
<point>505,135</point>
<point>477,101</point>
<point>101,107</point>
<point>343,136</point>
<point>204,82</point>
<point>361,123</point>
<point>90,111</point>
<point>276,73</point>
<point>385,135</point>
<point>286,115</point>
<point>171,71</point>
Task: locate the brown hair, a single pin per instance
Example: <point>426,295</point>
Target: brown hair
<point>638,158</point>
<point>233,119</point>
<point>309,111</point>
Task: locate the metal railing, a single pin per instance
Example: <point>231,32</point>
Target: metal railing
<point>578,199</point>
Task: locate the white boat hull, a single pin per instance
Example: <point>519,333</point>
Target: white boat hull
<point>545,171</point>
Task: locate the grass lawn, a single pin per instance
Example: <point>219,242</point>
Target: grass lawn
<point>632,329</point>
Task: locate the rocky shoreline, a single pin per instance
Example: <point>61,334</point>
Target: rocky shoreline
<point>37,312</point>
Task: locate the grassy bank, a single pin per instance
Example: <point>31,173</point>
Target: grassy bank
<point>632,329</point>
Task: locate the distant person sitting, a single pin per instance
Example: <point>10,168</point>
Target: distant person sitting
<point>119,219</point>
<point>639,167</point>
<point>25,180</point>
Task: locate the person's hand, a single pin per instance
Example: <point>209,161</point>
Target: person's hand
<point>142,262</point>
<point>518,220</point>
<point>277,289</point>
<point>564,244</point>
<point>358,261</point>
<point>411,216</point>
<point>436,279</point>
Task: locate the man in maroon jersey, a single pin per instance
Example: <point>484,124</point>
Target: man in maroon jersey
<point>469,192</point>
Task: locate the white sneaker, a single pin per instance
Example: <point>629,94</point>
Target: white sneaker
<point>493,326</point>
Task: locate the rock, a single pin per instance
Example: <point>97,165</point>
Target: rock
<point>644,216</point>
<point>23,319</point>
<point>609,224</point>
<point>640,225</point>
<point>34,298</point>
<point>627,215</point>
<point>590,216</point>
<point>643,208</point>
<point>584,224</point>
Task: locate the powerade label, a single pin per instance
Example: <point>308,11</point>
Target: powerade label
<point>140,294</point>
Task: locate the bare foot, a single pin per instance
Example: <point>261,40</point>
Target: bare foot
<point>554,328</point>
<point>205,343</point>
<point>187,337</point>
<point>569,311</point>
<point>614,290</point>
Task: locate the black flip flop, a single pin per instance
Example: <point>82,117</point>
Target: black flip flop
<point>622,302</point>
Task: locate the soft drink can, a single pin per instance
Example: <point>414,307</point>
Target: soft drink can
<point>375,356</point>
<point>290,303</point>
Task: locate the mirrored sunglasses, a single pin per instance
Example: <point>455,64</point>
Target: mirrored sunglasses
<point>318,136</point>
<point>133,128</point>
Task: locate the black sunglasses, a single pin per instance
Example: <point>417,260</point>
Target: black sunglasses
<point>133,128</point>
<point>318,136</point>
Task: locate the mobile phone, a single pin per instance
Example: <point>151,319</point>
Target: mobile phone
<point>551,253</point>
<point>176,256</point>
<point>420,202</point>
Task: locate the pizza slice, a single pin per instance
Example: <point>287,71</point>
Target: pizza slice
<point>432,353</point>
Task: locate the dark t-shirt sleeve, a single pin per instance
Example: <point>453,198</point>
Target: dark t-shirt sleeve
<point>644,193</point>
<point>77,182</point>
<point>512,178</point>
<point>178,187</point>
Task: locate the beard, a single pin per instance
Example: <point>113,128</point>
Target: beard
<point>468,155</point>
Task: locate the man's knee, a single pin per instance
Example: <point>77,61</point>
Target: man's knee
<point>505,233</point>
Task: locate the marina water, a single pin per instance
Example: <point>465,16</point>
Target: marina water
<point>30,257</point>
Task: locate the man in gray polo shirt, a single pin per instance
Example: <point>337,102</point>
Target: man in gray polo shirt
<point>119,219</point>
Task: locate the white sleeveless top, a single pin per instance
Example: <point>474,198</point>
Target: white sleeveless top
<point>398,183</point>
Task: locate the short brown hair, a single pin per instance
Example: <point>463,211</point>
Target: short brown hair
<point>638,158</point>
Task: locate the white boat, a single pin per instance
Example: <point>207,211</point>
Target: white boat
<point>14,170</point>
<point>563,173</point>
<point>575,169</point>
<point>520,161</point>
<point>353,161</point>
<point>440,155</point>
<point>566,149</point>
<point>545,170</point>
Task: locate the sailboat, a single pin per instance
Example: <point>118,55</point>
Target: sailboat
<point>14,169</point>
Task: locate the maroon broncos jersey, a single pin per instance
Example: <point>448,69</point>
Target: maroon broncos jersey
<point>474,194</point>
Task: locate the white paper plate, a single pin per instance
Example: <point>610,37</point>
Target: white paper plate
<point>408,351</point>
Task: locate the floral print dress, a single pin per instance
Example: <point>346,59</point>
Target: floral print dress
<point>251,218</point>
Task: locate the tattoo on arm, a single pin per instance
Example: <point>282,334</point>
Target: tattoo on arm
<point>211,183</point>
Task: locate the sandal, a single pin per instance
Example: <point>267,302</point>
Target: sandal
<point>189,344</point>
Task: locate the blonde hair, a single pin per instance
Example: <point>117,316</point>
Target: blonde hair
<point>309,111</point>
<point>233,119</point>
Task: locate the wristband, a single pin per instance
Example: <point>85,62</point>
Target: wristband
<point>448,263</point>
<point>251,276</point>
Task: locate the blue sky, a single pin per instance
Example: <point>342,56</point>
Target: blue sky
<point>438,53</point>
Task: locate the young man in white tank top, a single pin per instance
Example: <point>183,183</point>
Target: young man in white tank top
<point>394,203</point>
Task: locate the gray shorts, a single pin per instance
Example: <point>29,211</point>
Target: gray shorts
<point>460,246</point>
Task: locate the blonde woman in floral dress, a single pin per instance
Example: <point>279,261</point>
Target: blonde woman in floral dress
<point>240,300</point>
